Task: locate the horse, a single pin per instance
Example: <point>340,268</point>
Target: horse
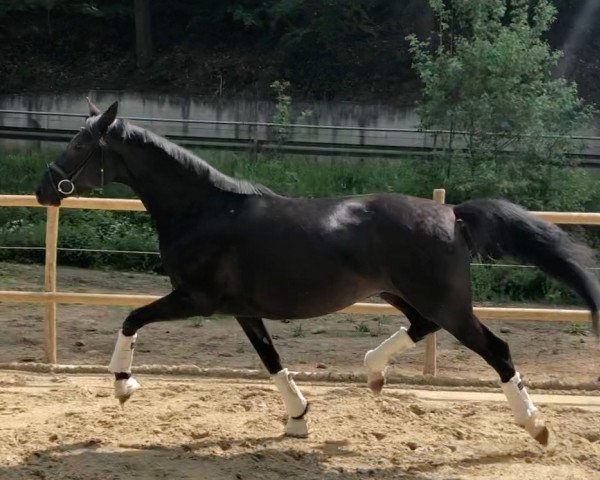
<point>237,248</point>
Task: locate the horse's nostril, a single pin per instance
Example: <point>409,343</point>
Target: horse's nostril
<point>38,192</point>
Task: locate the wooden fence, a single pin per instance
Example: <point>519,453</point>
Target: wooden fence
<point>50,297</point>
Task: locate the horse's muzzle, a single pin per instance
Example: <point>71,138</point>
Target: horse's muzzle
<point>46,198</point>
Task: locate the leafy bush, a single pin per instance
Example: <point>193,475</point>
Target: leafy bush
<point>488,81</point>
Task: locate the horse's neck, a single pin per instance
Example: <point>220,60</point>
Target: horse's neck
<point>170,193</point>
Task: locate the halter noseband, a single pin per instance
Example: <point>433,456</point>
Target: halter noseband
<point>66,185</point>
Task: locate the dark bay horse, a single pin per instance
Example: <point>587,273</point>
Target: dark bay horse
<point>232,247</point>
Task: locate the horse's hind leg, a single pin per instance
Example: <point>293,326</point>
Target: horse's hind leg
<point>376,360</point>
<point>296,405</point>
<point>495,351</point>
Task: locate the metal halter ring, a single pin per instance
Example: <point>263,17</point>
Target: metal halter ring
<point>70,187</point>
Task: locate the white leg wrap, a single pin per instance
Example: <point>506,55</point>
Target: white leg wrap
<point>125,388</point>
<point>121,362</point>
<point>295,403</point>
<point>376,360</point>
<point>524,411</point>
<point>518,399</point>
<point>122,358</point>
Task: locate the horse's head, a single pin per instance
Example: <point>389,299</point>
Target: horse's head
<point>84,164</point>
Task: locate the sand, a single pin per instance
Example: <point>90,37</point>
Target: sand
<point>70,427</point>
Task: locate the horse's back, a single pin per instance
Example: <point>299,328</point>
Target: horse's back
<point>295,257</point>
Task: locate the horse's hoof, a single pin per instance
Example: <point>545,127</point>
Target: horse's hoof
<point>537,429</point>
<point>125,388</point>
<point>543,436</point>
<point>375,372</point>
<point>297,427</point>
<point>376,381</point>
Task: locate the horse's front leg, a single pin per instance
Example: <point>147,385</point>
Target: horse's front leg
<point>176,305</point>
<point>296,405</point>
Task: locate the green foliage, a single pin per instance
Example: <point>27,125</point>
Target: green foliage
<point>517,284</point>
<point>545,187</point>
<point>306,176</point>
<point>298,331</point>
<point>487,80</point>
<point>282,116</point>
<point>95,8</point>
<point>85,229</point>
<point>196,322</point>
<point>362,328</point>
<point>241,45</point>
<point>579,328</point>
<point>345,49</point>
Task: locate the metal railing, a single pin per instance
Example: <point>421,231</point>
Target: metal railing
<point>310,139</point>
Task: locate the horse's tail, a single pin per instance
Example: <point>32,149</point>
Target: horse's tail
<point>496,228</point>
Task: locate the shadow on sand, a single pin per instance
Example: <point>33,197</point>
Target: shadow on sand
<point>240,459</point>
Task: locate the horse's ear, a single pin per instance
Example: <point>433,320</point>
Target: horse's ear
<point>94,110</point>
<point>107,118</point>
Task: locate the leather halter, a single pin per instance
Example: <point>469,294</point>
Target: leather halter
<point>66,185</point>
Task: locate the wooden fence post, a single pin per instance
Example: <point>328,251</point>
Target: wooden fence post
<point>50,283</point>
<point>430,366</point>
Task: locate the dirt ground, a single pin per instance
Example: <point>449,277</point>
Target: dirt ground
<point>70,427</point>
<point>336,343</point>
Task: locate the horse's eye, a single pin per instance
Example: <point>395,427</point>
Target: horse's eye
<point>78,146</point>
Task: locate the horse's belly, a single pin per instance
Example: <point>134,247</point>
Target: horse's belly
<point>304,301</point>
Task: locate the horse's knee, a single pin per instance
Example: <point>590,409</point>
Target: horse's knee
<point>131,324</point>
<point>419,330</point>
<point>499,347</point>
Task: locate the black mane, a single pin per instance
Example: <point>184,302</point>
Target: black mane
<point>129,133</point>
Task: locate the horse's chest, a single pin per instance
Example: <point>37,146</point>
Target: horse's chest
<point>191,262</point>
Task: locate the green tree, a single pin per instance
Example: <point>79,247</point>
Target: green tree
<point>487,76</point>
<point>282,115</point>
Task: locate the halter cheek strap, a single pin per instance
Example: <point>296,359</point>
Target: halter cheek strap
<point>66,185</point>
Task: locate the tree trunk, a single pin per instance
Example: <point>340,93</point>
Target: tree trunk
<point>143,33</point>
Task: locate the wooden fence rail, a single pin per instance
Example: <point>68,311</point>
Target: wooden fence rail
<point>50,297</point>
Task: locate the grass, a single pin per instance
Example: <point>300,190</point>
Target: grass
<point>297,331</point>
<point>362,328</point>
<point>196,322</point>
<point>579,328</point>
<point>308,176</point>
